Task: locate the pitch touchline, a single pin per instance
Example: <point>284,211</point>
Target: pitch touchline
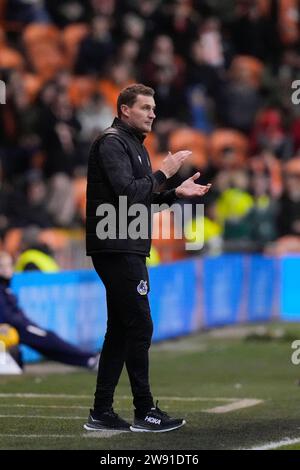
<point>124,397</point>
<point>234,404</point>
<point>103,434</point>
<point>237,405</point>
<point>21,405</point>
<point>38,436</point>
<point>274,445</point>
<point>43,417</point>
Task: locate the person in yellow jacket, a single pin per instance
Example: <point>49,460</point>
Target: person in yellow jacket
<point>36,259</point>
<point>154,258</point>
<point>203,230</point>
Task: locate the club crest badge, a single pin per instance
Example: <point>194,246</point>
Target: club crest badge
<point>142,288</point>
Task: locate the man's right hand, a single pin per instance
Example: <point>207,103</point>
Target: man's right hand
<point>173,162</point>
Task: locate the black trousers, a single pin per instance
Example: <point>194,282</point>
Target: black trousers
<point>129,329</point>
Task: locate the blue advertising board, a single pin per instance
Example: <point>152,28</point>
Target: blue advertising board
<point>185,296</point>
<point>290,291</point>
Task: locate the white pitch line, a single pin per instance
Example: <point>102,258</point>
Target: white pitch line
<point>41,395</point>
<point>233,404</point>
<point>237,405</point>
<point>274,445</point>
<point>43,417</point>
<point>38,436</point>
<point>105,434</point>
<point>74,407</point>
<point>66,407</point>
<point>94,434</point>
<point>124,397</point>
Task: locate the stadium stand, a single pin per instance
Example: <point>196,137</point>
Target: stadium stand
<point>222,74</point>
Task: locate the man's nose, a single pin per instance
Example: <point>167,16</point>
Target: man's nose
<point>152,115</point>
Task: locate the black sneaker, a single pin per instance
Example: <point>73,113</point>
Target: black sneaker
<point>156,421</point>
<point>106,421</point>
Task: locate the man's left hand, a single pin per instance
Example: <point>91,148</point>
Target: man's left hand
<point>190,189</point>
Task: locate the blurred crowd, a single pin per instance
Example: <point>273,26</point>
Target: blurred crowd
<point>223,74</point>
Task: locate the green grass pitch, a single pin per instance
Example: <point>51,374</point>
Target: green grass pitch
<point>211,379</point>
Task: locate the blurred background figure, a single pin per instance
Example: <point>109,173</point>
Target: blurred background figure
<point>41,340</point>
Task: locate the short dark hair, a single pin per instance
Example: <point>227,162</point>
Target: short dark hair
<point>129,95</point>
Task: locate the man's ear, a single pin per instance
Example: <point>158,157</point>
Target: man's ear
<point>125,110</point>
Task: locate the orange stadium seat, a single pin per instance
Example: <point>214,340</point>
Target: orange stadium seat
<point>223,139</point>
<point>288,21</point>
<point>243,64</point>
<point>46,59</point>
<point>292,166</point>
<point>79,188</point>
<point>111,91</point>
<point>11,59</point>
<point>190,139</point>
<point>55,238</point>
<point>259,164</point>
<point>81,89</point>
<point>36,33</point>
<point>2,10</point>
<point>2,37</point>
<point>32,84</point>
<point>264,7</point>
<point>156,160</point>
<point>43,47</point>
<point>12,241</point>
<point>72,35</point>
<point>151,143</point>
<point>169,248</point>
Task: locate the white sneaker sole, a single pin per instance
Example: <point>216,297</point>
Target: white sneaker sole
<point>137,429</point>
<point>87,427</point>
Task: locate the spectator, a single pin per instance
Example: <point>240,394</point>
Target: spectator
<point>58,130</point>
<point>202,74</point>
<point>68,11</point>
<point>163,56</point>
<point>41,340</point>
<point>288,221</point>
<point>180,21</point>
<point>233,208</point>
<point>269,134</point>
<point>27,12</point>
<point>27,204</point>
<point>211,43</point>
<point>253,32</point>
<point>94,117</point>
<point>171,112</point>
<point>240,99</point>
<point>96,49</point>
<point>263,214</point>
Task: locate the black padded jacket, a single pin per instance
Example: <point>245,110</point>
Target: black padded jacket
<point>119,165</point>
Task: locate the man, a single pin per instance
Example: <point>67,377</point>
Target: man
<point>30,334</point>
<point>119,165</point>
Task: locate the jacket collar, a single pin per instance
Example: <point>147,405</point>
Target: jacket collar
<point>119,124</point>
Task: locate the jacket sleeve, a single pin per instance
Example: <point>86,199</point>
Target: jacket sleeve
<point>115,162</point>
<point>164,197</point>
<point>2,308</point>
<point>11,313</point>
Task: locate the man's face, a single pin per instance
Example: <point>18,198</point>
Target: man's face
<point>6,266</point>
<point>141,114</point>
